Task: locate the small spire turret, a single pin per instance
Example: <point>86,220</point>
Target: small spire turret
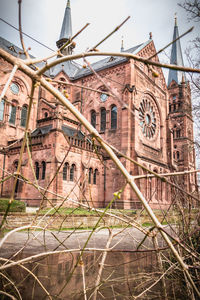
<point>122,44</point>
<point>66,30</point>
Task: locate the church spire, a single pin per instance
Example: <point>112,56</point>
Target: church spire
<point>122,44</point>
<point>66,30</point>
<point>176,57</point>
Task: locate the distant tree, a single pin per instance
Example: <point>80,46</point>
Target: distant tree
<point>192,7</point>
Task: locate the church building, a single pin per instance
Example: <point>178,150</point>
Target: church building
<point>152,124</point>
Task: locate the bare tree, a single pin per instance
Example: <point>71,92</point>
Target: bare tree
<point>172,253</point>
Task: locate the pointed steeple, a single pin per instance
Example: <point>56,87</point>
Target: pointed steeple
<point>176,57</point>
<point>66,30</point>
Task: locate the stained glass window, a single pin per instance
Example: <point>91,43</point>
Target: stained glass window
<point>2,110</point>
<point>114,117</point>
<point>23,116</point>
<point>72,172</point>
<point>43,169</point>
<point>93,118</point>
<point>12,114</point>
<point>103,119</point>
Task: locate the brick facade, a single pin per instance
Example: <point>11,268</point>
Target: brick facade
<point>152,124</point>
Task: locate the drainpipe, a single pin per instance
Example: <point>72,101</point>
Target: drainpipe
<point>81,97</point>
<point>104,185</point>
<point>4,162</point>
<point>81,101</point>
<point>39,96</point>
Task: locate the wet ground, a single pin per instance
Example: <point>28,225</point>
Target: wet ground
<point>37,241</point>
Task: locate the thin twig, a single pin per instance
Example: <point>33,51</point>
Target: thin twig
<point>8,81</point>
<point>104,39</point>
<point>20,30</point>
<point>161,50</point>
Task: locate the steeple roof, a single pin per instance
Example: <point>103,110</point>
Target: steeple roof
<point>176,58</point>
<point>66,30</point>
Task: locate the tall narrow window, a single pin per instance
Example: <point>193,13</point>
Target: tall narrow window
<point>178,133</point>
<point>65,171</point>
<point>114,117</point>
<point>12,114</point>
<point>23,116</point>
<point>103,119</point>
<point>90,175</point>
<point>95,176</point>
<point>37,170</point>
<point>177,155</point>
<point>43,169</point>
<point>93,118</point>
<point>72,172</point>
<point>17,183</point>
<point>2,110</point>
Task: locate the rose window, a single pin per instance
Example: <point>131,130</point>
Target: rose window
<point>147,117</point>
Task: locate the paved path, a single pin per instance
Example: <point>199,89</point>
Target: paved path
<point>39,241</point>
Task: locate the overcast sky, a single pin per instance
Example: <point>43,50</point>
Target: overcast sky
<point>42,19</point>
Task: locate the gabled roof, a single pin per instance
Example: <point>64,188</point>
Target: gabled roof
<point>69,67</point>
<point>110,61</point>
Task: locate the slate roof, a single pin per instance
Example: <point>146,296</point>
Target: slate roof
<point>41,130</point>
<point>66,30</point>
<point>14,50</point>
<point>71,68</point>
<point>11,48</point>
<point>110,61</point>
<point>72,132</point>
<point>176,58</point>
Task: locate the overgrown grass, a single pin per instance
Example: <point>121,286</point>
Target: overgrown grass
<point>16,206</point>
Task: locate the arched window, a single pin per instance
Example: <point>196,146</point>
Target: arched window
<point>114,117</point>
<point>43,169</point>
<point>90,175</point>
<point>46,114</point>
<point>72,172</point>
<point>95,176</point>
<point>12,114</point>
<point>65,171</point>
<point>93,118</point>
<point>103,119</point>
<point>2,110</point>
<point>23,116</point>
<point>15,165</point>
<point>37,170</point>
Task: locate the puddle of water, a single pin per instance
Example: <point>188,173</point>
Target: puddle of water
<point>124,275</point>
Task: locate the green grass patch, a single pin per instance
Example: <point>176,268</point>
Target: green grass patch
<point>147,224</point>
<point>16,206</point>
<point>82,211</point>
<point>68,211</point>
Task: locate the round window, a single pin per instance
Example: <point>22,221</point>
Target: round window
<point>148,116</point>
<point>14,88</point>
<point>103,97</point>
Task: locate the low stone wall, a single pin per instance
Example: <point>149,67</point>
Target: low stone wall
<point>15,220</point>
